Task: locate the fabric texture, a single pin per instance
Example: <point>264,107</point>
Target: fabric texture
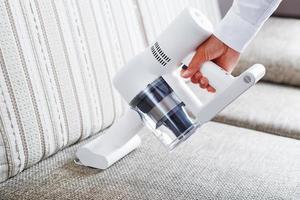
<point>219,162</point>
<point>57,59</point>
<point>268,108</point>
<point>277,47</point>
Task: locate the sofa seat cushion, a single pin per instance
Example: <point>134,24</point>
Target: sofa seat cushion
<point>220,162</point>
<point>266,107</point>
<point>277,47</point>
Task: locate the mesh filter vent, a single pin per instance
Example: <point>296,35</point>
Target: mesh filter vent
<point>159,54</point>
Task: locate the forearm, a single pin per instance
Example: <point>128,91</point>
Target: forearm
<point>243,21</point>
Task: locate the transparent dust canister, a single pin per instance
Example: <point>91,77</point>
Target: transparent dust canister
<point>164,113</point>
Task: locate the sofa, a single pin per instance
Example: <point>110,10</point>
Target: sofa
<point>57,60</point>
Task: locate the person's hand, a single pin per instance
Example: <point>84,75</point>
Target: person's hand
<point>215,50</point>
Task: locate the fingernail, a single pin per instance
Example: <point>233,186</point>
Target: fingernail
<point>186,73</point>
<point>202,81</point>
<point>211,89</point>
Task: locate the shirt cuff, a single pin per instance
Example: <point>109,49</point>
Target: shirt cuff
<point>235,32</point>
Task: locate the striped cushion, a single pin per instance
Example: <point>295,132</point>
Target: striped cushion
<point>57,59</point>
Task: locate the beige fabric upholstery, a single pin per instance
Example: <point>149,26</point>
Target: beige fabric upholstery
<point>220,162</point>
<point>57,59</point>
<point>277,47</point>
<point>266,107</point>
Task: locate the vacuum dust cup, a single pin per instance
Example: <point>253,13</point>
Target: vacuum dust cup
<point>164,113</point>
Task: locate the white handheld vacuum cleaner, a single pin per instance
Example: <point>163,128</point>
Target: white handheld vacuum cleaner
<point>160,99</point>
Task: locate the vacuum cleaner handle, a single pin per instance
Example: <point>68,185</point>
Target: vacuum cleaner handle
<point>239,85</point>
<point>228,88</point>
<point>217,76</point>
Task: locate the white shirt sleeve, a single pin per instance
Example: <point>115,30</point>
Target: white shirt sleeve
<point>243,21</point>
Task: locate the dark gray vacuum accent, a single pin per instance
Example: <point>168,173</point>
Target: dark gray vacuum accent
<point>162,105</point>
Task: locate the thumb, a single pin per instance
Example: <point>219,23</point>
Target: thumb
<point>198,59</point>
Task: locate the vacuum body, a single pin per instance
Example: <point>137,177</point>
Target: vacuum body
<point>160,99</point>
<point>164,107</point>
<point>142,85</point>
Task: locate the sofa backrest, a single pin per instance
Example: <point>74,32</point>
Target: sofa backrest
<point>57,59</point>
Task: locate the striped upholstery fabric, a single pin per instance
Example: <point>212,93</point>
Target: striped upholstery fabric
<point>57,59</point>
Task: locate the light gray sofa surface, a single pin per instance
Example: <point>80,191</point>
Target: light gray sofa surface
<point>220,162</point>
<point>277,47</point>
<point>267,107</point>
